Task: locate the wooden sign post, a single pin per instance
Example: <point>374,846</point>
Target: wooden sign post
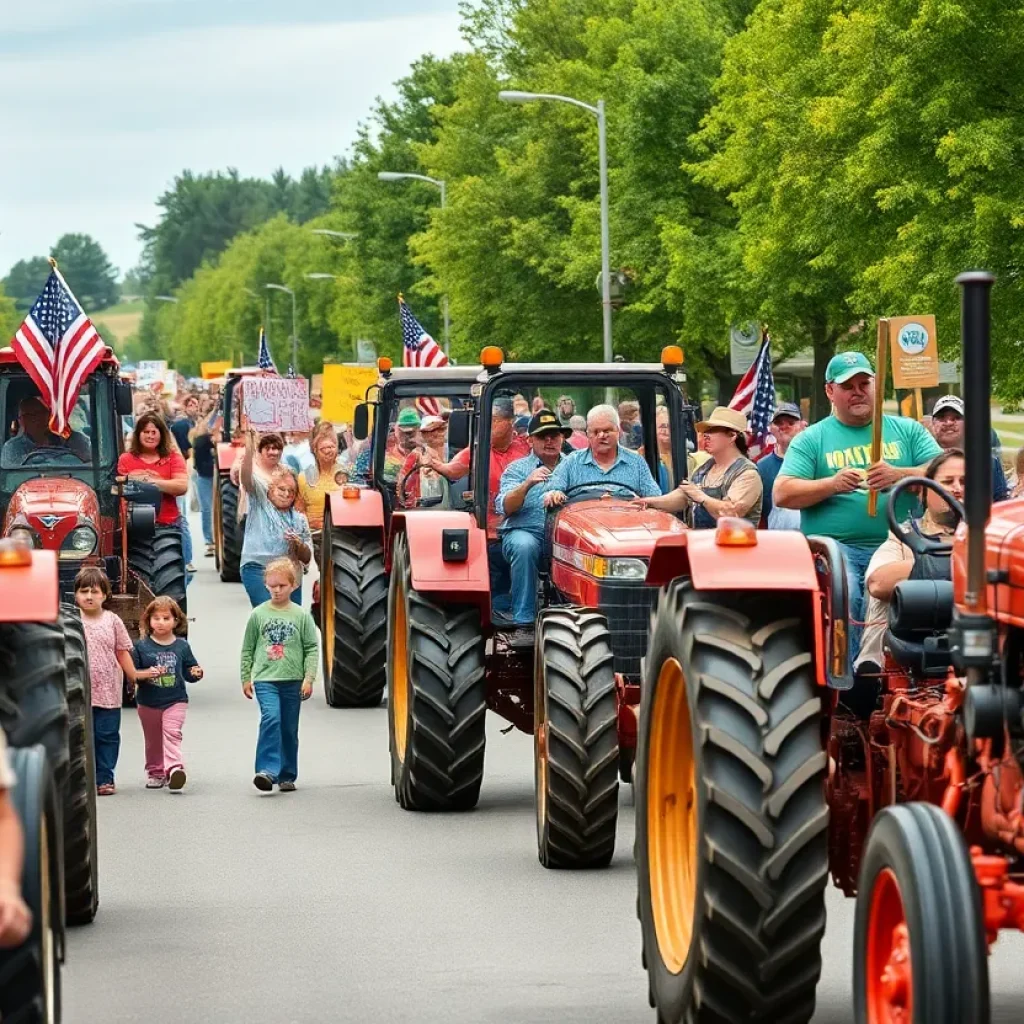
<point>881,362</point>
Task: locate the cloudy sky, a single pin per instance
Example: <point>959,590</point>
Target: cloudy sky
<point>104,101</point>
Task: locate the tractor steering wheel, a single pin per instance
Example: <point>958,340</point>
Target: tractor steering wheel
<point>598,486</point>
<point>50,453</point>
<point>403,497</point>
<point>918,543</point>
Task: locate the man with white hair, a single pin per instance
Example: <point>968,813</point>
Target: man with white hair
<point>605,463</point>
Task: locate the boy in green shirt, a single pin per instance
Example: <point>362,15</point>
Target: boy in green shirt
<point>827,473</point>
<point>279,658</point>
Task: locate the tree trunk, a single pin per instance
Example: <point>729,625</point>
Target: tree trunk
<point>722,369</point>
<point>823,342</point>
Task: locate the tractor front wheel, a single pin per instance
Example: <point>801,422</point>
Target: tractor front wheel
<point>436,697</point>
<point>160,560</point>
<point>731,819</point>
<point>228,531</point>
<point>920,954</point>
<point>576,745</point>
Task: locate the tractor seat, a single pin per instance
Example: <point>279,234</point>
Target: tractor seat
<point>920,614</point>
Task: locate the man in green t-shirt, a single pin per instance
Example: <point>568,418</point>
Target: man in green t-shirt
<point>827,473</point>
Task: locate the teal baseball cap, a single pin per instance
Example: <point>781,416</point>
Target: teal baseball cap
<point>845,365</point>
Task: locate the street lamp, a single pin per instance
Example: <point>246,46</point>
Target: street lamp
<point>320,277</point>
<point>442,185</point>
<point>166,298</point>
<point>295,335</point>
<point>511,96</point>
<point>345,236</point>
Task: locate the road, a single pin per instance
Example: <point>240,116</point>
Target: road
<point>332,904</point>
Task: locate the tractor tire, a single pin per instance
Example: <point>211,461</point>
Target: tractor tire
<point>436,697</point>
<point>919,920</point>
<point>353,617</point>
<point>81,849</point>
<point>30,991</point>
<point>731,819</point>
<point>576,743</point>
<point>160,561</point>
<point>230,532</point>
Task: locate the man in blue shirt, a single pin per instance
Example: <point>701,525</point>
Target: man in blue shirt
<point>604,464</point>
<point>521,501</point>
<point>787,422</point>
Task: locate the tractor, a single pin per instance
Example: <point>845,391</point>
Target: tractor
<point>69,500</point>
<point>753,785</point>
<point>36,706</point>
<point>357,533</point>
<point>575,686</point>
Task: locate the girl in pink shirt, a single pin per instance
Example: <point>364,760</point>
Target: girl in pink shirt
<point>108,644</point>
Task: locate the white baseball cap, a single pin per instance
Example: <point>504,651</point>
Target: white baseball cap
<point>954,402</point>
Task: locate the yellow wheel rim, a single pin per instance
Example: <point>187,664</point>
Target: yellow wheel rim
<point>399,696</point>
<point>327,605</point>
<point>672,818</point>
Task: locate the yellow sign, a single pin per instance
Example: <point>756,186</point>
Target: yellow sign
<point>344,387</point>
<point>915,352</point>
<point>211,371</point>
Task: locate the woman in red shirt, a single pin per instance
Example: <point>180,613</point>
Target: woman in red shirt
<point>154,459</point>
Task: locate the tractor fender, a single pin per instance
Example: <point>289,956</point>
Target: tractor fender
<point>425,533</point>
<point>365,508</point>
<point>226,456</point>
<point>30,593</point>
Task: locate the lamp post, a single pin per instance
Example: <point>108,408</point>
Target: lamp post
<point>295,335</point>
<point>166,298</point>
<point>344,236</point>
<point>511,96</point>
<point>442,185</point>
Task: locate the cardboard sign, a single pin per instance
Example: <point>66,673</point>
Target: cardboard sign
<point>344,387</point>
<point>211,371</point>
<point>149,372</point>
<point>915,352</point>
<point>276,403</point>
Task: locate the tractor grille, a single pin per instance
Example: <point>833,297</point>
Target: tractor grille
<point>627,607</point>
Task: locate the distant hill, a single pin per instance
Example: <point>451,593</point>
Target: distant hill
<point>118,323</point>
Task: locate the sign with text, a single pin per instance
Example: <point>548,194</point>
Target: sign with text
<point>211,371</point>
<point>344,387</point>
<point>150,372</point>
<point>915,352</point>
<point>276,403</point>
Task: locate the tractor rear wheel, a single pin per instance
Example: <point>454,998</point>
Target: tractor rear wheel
<point>731,819</point>
<point>30,974</point>
<point>160,561</point>
<point>436,697</point>
<point>576,744</point>
<point>229,531</point>
<point>353,617</point>
<point>920,953</point>
<point>81,849</point>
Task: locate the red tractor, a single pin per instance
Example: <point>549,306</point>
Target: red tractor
<point>753,785</point>
<point>357,534</point>
<point>575,687</point>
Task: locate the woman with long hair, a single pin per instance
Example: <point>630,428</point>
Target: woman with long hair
<point>153,458</point>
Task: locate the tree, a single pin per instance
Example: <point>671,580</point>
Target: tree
<point>87,270</point>
<point>25,281</point>
<point>10,318</point>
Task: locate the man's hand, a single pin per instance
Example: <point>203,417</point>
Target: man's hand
<point>539,476</point>
<point>307,688</point>
<point>247,688</point>
<point>881,475</point>
<point>15,917</point>
<point>846,481</point>
<point>554,498</point>
<point>429,458</point>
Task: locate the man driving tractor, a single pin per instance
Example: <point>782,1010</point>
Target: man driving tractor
<point>34,433</point>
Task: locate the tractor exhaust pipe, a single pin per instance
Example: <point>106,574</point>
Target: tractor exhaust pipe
<point>975,340</point>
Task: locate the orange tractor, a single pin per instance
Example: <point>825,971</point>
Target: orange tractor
<point>753,785</point>
<point>575,686</point>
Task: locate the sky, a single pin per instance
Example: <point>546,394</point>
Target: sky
<point>105,101</point>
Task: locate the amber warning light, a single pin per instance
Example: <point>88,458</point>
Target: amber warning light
<point>671,356</point>
<point>14,552</point>
<point>732,532</point>
<point>384,365</point>
<point>491,357</point>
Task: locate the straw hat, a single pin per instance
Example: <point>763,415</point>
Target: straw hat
<point>728,419</point>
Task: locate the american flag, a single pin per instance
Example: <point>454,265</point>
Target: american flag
<point>755,398</point>
<point>265,362</point>
<point>418,350</point>
<point>59,347</point>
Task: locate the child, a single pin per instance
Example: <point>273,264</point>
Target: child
<point>109,648</point>
<point>279,657</point>
<point>163,699</point>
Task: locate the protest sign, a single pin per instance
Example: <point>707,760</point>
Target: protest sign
<point>276,403</point>
<point>915,352</point>
<point>211,371</point>
<point>170,382</point>
<point>344,387</point>
<point>150,372</point>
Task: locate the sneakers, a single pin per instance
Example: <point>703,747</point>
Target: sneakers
<point>190,568</point>
<point>209,551</point>
<point>263,782</point>
<point>154,783</point>
<point>176,780</point>
<point>106,789</point>
<point>287,787</point>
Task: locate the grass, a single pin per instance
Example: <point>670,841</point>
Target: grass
<point>118,323</point>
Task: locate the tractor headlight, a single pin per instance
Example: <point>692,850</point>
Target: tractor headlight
<point>620,568</point>
<point>25,534</point>
<point>79,543</point>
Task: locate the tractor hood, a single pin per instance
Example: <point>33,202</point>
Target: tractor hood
<point>613,527</point>
<point>52,506</point>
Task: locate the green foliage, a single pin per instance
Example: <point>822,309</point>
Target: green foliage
<point>25,281</point>
<point>10,318</point>
<point>85,267</point>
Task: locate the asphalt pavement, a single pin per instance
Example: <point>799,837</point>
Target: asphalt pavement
<point>332,904</point>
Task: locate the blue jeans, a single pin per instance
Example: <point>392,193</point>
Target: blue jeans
<point>204,485</point>
<point>106,730</point>
<point>857,559</point>
<point>277,747</point>
<point>501,579</point>
<point>522,551</point>
<point>182,524</point>
<point>252,580</point>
